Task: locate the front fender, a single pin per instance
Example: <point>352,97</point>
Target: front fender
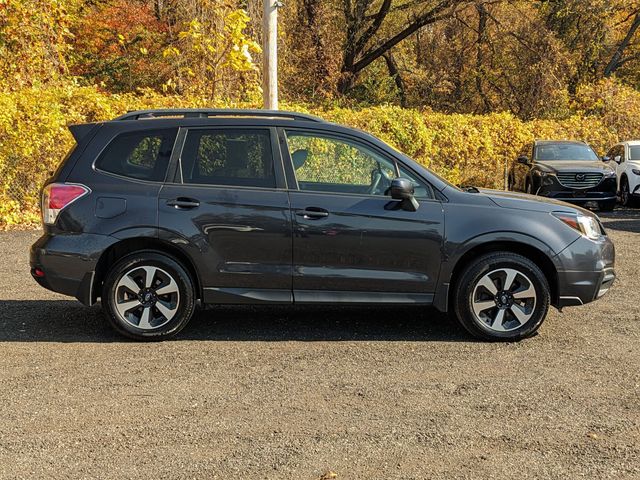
<point>441,298</point>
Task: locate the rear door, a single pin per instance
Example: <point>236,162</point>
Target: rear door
<point>228,208</point>
<point>351,242</point>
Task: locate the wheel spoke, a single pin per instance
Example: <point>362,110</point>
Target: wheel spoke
<point>124,307</point>
<point>165,310</point>
<point>497,321</point>
<point>487,283</point>
<point>150,273</point>
<point>520,314</point>
<point>128,282</point>
<point>508,282</point>
<point>527,293</point>
<point>483,305</point>
<point>144,319</point>
<point>170,288</point>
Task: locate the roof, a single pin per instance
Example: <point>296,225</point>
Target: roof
<point>209,113</point>
<point>560,142</point>
<point>633,143</point>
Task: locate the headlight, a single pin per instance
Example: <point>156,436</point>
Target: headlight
<point>635,171</point>
<point>586,225</point>
<point>610,173</point>
<point>540,173</point>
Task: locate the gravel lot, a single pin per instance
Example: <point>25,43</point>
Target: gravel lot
<point>304,393</point>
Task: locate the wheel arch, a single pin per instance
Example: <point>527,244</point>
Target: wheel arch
<point>534,253</point>
<point>131,245</point>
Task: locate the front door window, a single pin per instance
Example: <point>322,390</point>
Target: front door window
<point>329,164</point>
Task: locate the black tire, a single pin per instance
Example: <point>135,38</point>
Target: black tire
<point>468,285</point>
<point>607,206</point>
<point>180,302</point>
<point>626,199</point>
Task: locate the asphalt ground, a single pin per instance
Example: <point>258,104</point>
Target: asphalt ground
<point>310,393</point>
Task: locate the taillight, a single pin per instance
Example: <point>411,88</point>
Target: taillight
<point>57,196</point>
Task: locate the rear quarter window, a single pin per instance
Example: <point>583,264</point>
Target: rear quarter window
<point>140,155</point>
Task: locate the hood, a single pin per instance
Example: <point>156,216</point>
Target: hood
<point>595,166</point>
<point>523,201</point>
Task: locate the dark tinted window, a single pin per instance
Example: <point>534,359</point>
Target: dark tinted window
<point>140,155</point>
<point>564,151</point>
<point>240,157</point>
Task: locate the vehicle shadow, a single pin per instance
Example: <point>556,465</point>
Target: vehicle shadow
<point>623,219</point>
<point>69,321</point>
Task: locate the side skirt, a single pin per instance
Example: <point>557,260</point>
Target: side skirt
<point>365,298</point>
<point>240,296</point>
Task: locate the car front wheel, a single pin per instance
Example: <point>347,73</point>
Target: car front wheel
<point>502,297</point>
<point>148,296</point>
<point>626,199</point>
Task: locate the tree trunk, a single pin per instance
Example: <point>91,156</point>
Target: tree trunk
<point>482,39</point>
<point>362,28</point>
<point>395,74</point>
<point>616,59</point>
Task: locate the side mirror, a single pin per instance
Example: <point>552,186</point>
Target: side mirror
<point>402,189</point>
<point>523,159</point>
<point>605,158</point>
<point>617,159</point>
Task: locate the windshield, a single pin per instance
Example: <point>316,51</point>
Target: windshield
<point>565,151</point>
<point>634,153</point>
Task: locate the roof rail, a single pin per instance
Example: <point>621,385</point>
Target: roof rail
<point>206,112</point>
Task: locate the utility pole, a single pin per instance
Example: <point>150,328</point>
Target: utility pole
<point>270,54</point>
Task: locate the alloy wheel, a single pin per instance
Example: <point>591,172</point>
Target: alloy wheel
<point>504,299</point>
<point>147,297</point>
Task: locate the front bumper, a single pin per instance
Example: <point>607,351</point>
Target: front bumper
<point>585,271</point>
<point>68,262</point>
<point>584,287</point>
<point>605,191</point>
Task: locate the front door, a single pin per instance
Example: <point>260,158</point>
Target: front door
<point>229,210</point>
<point>351,241</point>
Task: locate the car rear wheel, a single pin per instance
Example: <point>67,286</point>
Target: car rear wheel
<point>502,297</point>
<point>148,296</point>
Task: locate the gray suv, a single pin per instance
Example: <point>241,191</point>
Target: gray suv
<point>156,211</point>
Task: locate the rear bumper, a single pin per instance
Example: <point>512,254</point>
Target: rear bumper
<point>68,263</point>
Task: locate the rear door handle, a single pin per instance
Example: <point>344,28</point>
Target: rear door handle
<point>311,213</point>
<point>183,203</point>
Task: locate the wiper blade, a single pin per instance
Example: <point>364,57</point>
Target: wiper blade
<point>470,189</point>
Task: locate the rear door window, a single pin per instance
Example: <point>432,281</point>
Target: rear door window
<point>228,156</point>
<point>140,155</point>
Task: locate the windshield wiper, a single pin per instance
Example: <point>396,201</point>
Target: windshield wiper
<point>470,189</point>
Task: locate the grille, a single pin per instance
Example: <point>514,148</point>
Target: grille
<point>579,179</point>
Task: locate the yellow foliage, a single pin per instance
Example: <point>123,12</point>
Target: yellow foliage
<point>465,149</point>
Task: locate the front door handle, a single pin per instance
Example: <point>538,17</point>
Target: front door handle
<point>313,213</point>
<point>183,203</point>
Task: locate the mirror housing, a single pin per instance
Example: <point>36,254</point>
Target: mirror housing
<point>523,159</point>
<point>617,159</point>
<point>403,190</point>
<point>605,158</point>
